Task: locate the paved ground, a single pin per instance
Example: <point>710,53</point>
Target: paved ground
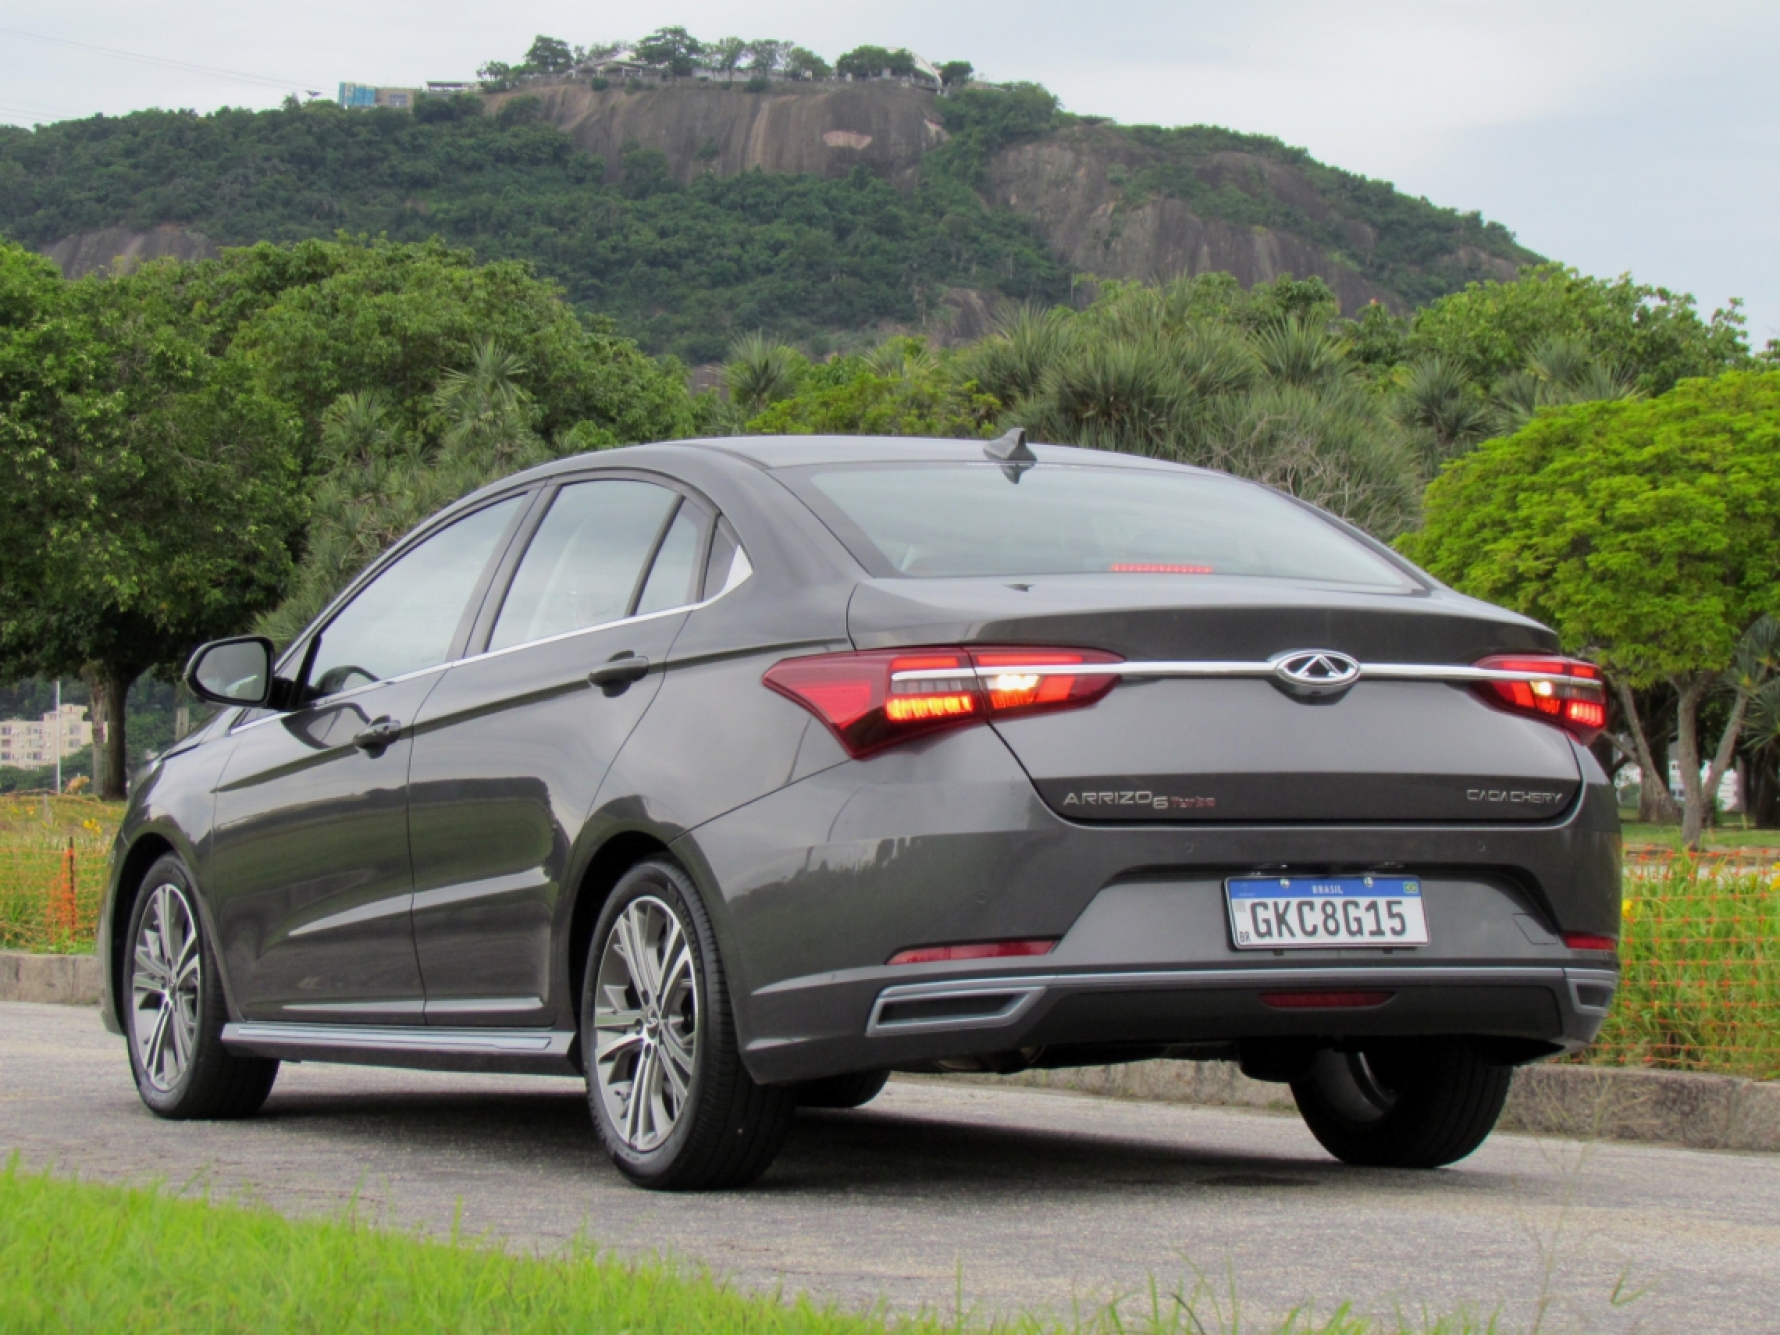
<point>1035,1199</point>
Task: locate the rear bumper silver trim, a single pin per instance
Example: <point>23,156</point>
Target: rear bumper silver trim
<point>1025,990</point>
<point>386,1038</point>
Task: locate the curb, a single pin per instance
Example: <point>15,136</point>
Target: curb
<point>1702,1112</point>
<point>68,980</point>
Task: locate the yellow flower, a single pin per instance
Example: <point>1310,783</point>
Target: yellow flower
<point>1628,909</point>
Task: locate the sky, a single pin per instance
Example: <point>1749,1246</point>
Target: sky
<point>1618,136</point>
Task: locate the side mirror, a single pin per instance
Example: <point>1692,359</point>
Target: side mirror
<point>232,672</point>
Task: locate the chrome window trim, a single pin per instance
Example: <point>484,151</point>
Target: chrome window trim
<point>734,582</point>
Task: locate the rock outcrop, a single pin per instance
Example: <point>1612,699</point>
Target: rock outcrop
<point>111,247</point>
<point>823,131</point>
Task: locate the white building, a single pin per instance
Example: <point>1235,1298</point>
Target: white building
<point>31,743</point>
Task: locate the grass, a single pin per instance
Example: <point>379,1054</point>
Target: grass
<point>80,1256</point>
<point>1669,836</point>
<point>53,853</point>
<point>1700,960</point>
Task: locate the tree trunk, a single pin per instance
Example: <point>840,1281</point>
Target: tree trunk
<point>1762,788</point>
<point>1689,692</point>
<point>1727,751</point>
<point>108,688</point>
<point>1655,806</point>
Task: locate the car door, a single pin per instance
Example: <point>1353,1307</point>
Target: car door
<point>510,750</point>
<point>312,879</point>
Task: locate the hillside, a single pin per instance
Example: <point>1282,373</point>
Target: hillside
<point>692,211</point>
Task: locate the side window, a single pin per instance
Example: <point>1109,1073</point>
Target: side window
<point>673,579</point>
<point>727,565</point>
<point>407,617</point>
<point>582,566</point>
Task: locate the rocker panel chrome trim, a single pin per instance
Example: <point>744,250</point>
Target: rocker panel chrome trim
<point>384,1038</point>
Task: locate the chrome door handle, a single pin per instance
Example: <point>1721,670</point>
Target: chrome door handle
<point>616,674</point>
<point>378,736</point>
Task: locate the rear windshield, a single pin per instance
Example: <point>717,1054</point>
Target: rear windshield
<point>927,519</point>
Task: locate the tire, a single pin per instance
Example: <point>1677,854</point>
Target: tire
<point>1420,1103</point>
<point>707,1125</point>
<point>170,992</point>
<point>853,1090</point>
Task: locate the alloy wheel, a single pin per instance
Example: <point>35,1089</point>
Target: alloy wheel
<point>645,1020</point>
<point>165,982</point>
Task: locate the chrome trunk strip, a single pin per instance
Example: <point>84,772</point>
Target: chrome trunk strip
<point>1210,668</point>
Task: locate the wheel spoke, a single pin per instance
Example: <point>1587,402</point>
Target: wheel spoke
<point>644,1022</point>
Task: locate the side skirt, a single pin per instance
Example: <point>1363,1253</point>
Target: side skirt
<point>513,1051</point>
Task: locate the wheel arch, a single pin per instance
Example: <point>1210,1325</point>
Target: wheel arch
<point>610,861</point>
<point>146,850</point>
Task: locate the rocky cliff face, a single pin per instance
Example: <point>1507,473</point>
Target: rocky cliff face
<point>102,251</point>
<point>1070,184</point>
<point>824,131</point>
<point>1065,184</point>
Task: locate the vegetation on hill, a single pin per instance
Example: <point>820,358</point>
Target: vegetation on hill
<point>685,267</point>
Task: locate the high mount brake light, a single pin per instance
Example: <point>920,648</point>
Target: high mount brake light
<point>882,697</point>
<point>1564,691</point>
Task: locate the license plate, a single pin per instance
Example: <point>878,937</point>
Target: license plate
<point>1317,912</point>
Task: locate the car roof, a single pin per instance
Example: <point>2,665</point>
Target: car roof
<point>773,452</point>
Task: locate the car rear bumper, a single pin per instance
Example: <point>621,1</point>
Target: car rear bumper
<point>1083,1017</point>
<point>820,884</point>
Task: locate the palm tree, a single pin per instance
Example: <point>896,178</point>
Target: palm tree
<point>760,372</point>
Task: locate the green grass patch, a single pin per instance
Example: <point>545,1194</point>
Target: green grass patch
<point>53,864</point>
<point>85,1257</point>
<point>1700,960</point>
<point>1669,836</point>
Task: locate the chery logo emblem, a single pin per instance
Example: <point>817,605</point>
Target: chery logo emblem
<point>1317,669</point>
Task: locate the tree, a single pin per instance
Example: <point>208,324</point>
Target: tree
<point>901,389</point>
<point>955,73</point>
<point>1647,533</point>
<point>1648,335</point>
<point>549,55</point>
<point>871,62</point>
<point>766,55</point>
<point>153,487</point>
<point>803,63</point>
<point>725,56</point>
<point>673,50</point>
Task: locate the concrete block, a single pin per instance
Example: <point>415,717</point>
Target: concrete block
<point>1755,1123</point>
<point>69,980</point>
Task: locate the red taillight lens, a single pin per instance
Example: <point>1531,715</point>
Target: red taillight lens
<point>975,950</point>
<point>881,697</point>
<point>1589,941</point>
<point>1564,691</point>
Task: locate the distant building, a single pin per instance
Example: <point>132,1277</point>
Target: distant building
<point>450,87</point>
<point>31,743</point>
<point>355,95</point>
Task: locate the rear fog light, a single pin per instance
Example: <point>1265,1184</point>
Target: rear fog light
<point>975,950</point>
<point>1590,941</point>
<point>1312,1001</point>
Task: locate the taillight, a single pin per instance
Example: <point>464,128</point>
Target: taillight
<point>881,697</point>
<point>1564,691</point>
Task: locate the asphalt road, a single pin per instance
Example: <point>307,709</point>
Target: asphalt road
<point>1026,1199</point>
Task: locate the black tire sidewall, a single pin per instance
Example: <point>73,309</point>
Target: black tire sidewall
<point>1441,1115</point>
<point>658,880</point>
